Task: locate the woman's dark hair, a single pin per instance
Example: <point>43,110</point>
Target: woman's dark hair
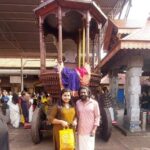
<point>65,90</point>
<point>23,93</point>
<point>15,98</point>
<point>86,88</point>
<point>105,89</point>
<point>62,92</point>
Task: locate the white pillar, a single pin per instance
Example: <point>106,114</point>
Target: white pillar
<point>113,80</point>
<point>132,93</point>
<point>113,86</point>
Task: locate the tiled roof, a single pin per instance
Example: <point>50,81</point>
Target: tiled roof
<point>141,35</point>
<point>135,44</point>
<point>127,31</point>
<point>136,40</point>
<point>128,24</point>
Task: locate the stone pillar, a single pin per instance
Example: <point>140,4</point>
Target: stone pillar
<point>113,86</point>
<point>132,93</point>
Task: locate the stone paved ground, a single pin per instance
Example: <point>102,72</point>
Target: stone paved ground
<point>20,139</point>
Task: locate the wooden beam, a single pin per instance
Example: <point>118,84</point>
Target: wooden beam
<point>20,5</point>
<point>59,35</point>
<point>42,44</point>
<point>25,54</point>
<point>18,20</point>
<point>87,45</point>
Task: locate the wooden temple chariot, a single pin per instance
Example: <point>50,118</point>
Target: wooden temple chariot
<point>80,21</point>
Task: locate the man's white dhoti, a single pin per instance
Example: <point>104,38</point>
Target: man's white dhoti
<point>86,142</point>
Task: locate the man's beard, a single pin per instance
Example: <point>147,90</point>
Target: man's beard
<point>83,97</point>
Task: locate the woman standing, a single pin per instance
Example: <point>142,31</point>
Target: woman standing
<point>14,111</point>
<point>61,116</point>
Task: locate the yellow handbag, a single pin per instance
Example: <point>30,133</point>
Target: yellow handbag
<point>67,140</point>
<point>22,120</point>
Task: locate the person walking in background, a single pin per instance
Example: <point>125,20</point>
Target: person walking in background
<point>108,103</point>
<point>61,116</point>
<point>14,111</point>
<point>88,119</point>
<point>4,136</point>
<point>5,106</point>
<point>5,97</point>
<point>24,103</point>
<point>34,97</point>
<point>30,107</point>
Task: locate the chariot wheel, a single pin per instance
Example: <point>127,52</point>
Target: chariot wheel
<point>106,124</point>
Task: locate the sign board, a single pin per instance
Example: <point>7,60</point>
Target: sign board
<point>15,79</point>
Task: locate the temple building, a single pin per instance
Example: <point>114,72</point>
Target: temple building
<point>126,43</point>
<point>128,53</point>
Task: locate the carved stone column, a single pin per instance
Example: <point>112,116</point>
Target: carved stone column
<point>132,93</point>
<point>113,80</point>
